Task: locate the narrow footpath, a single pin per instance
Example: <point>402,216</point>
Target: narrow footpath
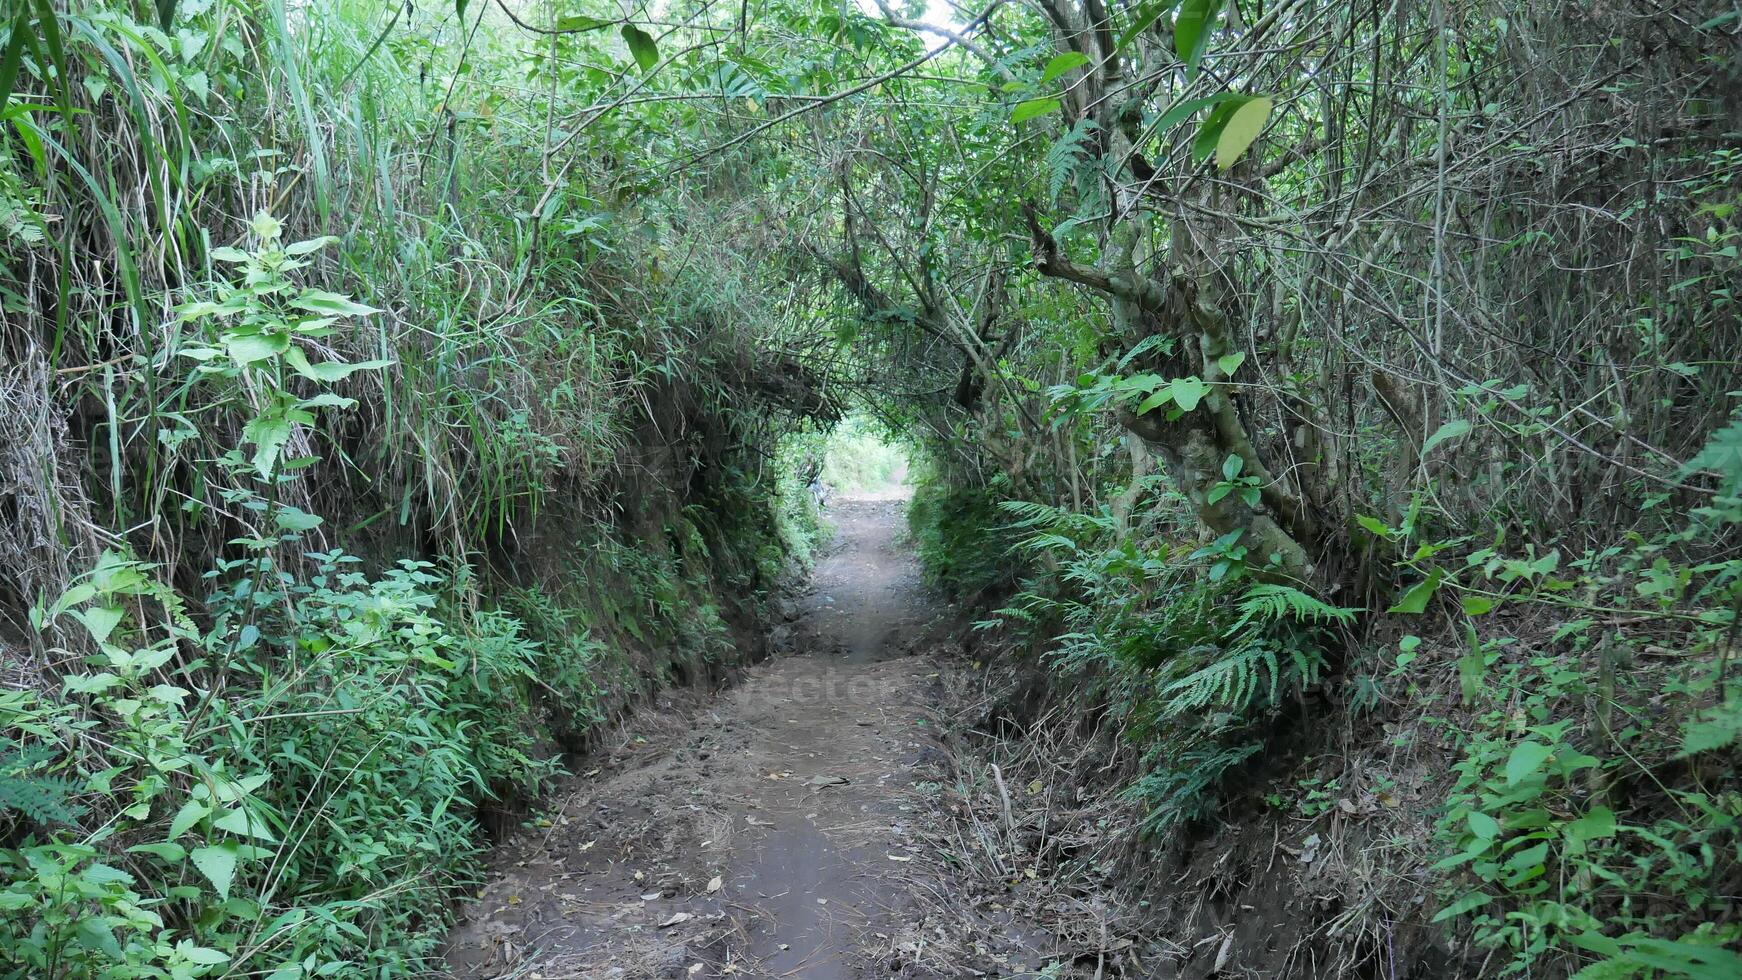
<point>767,831</point>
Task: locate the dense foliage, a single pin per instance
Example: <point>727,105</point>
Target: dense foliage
<point>348,474</point>
<point>1337,398</point>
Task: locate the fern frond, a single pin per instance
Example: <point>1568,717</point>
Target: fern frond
<point>1185,787</point>
<point>1271,604</point>
<point>1229,683</point>
<point>1065,156</point>
<point>43,799</point>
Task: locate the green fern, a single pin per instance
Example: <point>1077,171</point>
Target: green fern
<point>1233,683</point>
<point>43,799</point>
<point>1066,156</point>
<point>1228,682</point>
<point>1185,787</point>
<point>1271,604</point>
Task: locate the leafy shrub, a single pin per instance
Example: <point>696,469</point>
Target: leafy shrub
<point>1545,863</point>
<point>956,532</point>
<point>1192,671</point>
<point>302,812</point>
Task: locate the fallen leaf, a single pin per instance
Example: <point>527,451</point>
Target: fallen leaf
<point>903,858</point>
<point>827,780</point>
<point>677,918</point>
<point>715,884</point>
<point>650,896</point>
<point>1222,954</point>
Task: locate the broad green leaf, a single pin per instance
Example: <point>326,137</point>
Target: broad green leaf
<point>1178,112</point>
<point>327,371</point>
<point>89,683</point>
<point>1722,454</point>
<point>1242,128</point>
<point>98,873</point>
<point>1062,63</point>
<point>1451,430</point>
<point>249,348</point>
<point>327,399</point>
<point>94,932</point>
<point>1528,858</point>
<point>1232,466</point>
<point>1416,599</point>
<point>1229,363</point>
<point>245,823</point>
<point>203,955</point>
<point>1526,759</point>
<point>1683,959</point>
<point>579,22</point>
<point>266,227</point>
<point>218,864</point>
<point>1210,130</point>
<point>1146,16</point>
<point>310,245</point>
<point>191,812</point>
<point>166,850</point>
<point>1191,30</point>
<point>295,519</point>
<point>641,46</point>
<point>1600,822</point>
<point>1373,524</point>
<point>1187,392</point>
<point>1025,111</point>
<point>1476,605</point>
<point>1473,900</point>
<point>1718,727</point>
<point>1155,401</point>
<point>321,301</point>
<point>268,433</point>
<point>225,253</point>
<point>100,621</point>
<point>1482,825</point>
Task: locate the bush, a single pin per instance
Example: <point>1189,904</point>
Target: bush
<point>956,532</point>
<point>303,809</point>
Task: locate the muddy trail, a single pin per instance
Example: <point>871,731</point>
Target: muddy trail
<point>790,826</point>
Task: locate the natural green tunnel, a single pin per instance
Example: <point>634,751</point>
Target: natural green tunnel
<point>1317,421</point>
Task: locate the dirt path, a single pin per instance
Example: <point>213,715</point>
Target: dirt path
<point>767,832</point>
